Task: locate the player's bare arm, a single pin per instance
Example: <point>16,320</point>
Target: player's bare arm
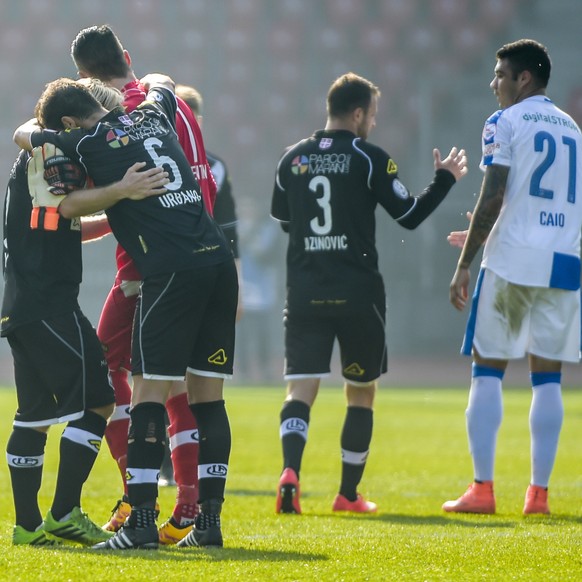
<point>135,185</point>
<point>484,217</point>
<point>94,227</point>
<point>22,134</point>
<point>457,238</point>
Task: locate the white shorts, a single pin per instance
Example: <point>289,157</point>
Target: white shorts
<point>508,321</point>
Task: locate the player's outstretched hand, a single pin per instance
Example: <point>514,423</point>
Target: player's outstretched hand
<point>138,184</point>
<point>455,162</point>
<point>457,238</point>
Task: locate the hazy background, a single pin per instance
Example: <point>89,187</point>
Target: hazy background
<point>264,67</point>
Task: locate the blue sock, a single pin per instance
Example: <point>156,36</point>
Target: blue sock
<point>545,423</point>
<point>484,414</point>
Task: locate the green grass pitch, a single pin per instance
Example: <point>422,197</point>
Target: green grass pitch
<point>419,458</point>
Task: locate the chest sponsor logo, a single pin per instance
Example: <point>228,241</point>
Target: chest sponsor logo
<point>299,165</point>
<point>329,163</point>
<point>116,138</point>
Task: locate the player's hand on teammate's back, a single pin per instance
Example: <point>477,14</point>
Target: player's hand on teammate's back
<point>138,184</point>
<point>455,162</point>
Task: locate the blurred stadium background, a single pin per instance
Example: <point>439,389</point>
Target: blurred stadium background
<point>264,68</point>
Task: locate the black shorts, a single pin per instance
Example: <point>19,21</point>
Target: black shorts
<point>59,369</point>
<point>185,321</point>
<point>310,335</point>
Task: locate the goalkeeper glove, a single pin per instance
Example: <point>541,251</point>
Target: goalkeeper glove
<point>48,187</point>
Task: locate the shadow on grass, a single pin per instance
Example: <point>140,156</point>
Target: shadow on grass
<point>462,520</point>
<point>258,493</point>
<point>175,554</point>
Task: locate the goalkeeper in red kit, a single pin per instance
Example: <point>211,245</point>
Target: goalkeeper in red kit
<point>97,52</point>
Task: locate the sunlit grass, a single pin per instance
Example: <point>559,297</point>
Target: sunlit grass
<point>418,459</point>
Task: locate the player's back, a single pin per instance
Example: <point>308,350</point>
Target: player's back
<point>542,209</point>
<point>325,195</point>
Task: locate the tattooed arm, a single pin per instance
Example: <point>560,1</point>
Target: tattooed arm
<point>484,217</point>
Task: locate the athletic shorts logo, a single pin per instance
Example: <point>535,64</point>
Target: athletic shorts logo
<point>354,370</point>
<point>116,138</point>
<point>299,165</point>
<point>219,358</point>
<point>325,143</point>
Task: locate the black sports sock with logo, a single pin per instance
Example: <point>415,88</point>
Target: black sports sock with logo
<point>25,454</point>
<point>214,448</point>
<point>79,446</point>
<point>355,443</point>
<point>294,427</point>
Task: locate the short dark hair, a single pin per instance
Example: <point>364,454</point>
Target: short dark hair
<point>349,92</point>
<point>527,55</point>
<point>98,52</point>
<point>64,97</point>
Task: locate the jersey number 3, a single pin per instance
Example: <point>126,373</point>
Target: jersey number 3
<point>320,185</point>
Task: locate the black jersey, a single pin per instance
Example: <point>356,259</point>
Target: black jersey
<point>162,234</point>
<point>326,191</point>
<point>42,268</point>
<point>224,206</point>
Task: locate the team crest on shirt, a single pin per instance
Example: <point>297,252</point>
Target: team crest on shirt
<point>325,143</point>
<point>299,165</point>
<point>125,119</point>
<point>399,189</point>
<point>116,138</point>
<point>489,131</point>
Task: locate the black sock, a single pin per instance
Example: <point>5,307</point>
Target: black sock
<point>142,516</point>
<point>80,443</point>
<point>25,453</point>
<point>214,448</point>
<point>145,452</point>
<point>209,514</point>
<point>355,443</point>
<point>294,426</point>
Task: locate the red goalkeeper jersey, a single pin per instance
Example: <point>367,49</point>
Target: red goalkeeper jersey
<point>190,138</point>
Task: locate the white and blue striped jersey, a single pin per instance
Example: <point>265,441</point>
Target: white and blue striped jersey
<point>536,238</point>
